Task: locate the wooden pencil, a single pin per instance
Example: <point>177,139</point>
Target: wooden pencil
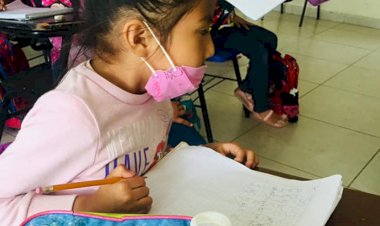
<point>60,187</point>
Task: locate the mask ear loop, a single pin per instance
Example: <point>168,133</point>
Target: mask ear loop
<point>161,47</point>
<point>148,64</point>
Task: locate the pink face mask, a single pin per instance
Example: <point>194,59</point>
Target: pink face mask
<point>174,82</point>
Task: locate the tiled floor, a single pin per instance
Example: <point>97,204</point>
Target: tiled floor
<point>339,128</point>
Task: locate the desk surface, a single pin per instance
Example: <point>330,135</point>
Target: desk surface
<point>356,208</point>
<point>41,27</point>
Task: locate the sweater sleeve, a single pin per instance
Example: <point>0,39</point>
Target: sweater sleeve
<point>58,140</point>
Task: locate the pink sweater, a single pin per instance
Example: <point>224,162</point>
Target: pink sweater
<point>79,131</point>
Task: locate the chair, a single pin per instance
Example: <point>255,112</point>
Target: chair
<point>303,11</point>
<point>220,56</point>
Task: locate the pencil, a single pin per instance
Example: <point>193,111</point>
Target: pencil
<point>60,187</point>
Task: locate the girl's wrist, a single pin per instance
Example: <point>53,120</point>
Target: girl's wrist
<point>83,203</point>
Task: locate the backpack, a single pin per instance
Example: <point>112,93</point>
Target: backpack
<point>283,86</point>
<point>12,61</point>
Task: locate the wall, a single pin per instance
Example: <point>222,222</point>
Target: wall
<point>360,12</point>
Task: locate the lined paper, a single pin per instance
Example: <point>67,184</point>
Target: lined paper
<point>191,180</point>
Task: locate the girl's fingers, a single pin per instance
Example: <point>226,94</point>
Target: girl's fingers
<point>122,171</point>
<point>183,121</point>
<point>135,182</point>
<point>140,193</point>
<point>250,159</point>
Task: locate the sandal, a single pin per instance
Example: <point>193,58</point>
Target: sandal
<point>245,98</point>
<point>282,122</point>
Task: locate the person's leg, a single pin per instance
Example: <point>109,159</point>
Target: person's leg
<point>179,132</point>
<point>258,44</point>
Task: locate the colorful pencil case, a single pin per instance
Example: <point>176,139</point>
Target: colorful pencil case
<point>60,218</point>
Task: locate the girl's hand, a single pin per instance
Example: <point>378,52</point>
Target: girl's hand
<point>129,195</point>
<point>178,111</point>
<point>235,151</point>
<point>2,5</point>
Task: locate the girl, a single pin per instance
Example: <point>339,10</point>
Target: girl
<point>110,116</point>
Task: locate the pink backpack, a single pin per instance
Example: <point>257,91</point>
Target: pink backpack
<point>317,2</point>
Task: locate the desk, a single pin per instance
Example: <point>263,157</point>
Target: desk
<point>40,29</point>
<point>356,208</point>
<point>45,28</point>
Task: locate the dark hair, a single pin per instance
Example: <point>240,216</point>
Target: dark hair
<point>101,15</point>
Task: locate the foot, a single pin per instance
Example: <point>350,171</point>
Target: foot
<point>245,98</point>
<point>272,119</point>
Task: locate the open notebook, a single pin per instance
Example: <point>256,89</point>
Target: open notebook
<point>255,9</point>
<point>19,11</point>
<point>190,180</point>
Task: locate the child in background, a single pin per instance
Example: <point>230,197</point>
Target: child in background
<point>110,116</point>
<point>258,45</point>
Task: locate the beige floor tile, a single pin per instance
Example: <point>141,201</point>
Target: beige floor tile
<point>365,40</point>
<point>371,61</point>
<point>313,147</point>
<point>285,41</point>
<point>288,24</point>
<point>358,80</point>
<point>218,68</point>
<point>226,87</point>
<point>305,87</point>
<point>342,108</point>
<point>226,116</point>
<point>328,51</point>
<point>30,53</point>
<point>358,29</point>
<point>369,179</point>
<point>316,70</point>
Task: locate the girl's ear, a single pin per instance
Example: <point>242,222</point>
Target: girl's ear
<point>137,38</point>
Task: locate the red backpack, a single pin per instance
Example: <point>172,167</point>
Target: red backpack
<point>12,61</point>
<point>283,86</point>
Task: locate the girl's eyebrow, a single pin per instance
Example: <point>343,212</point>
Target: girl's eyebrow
<point>206,19</point>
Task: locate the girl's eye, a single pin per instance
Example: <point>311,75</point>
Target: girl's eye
<point>205,31</point>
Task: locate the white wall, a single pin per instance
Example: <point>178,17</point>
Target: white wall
<point>361,12</point>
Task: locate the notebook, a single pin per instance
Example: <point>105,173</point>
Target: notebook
<point>255,9</point>
<point>191,180</point>
<point>19,11</point>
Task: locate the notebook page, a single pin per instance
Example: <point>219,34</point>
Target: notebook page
<point>196,179</point>
<point>255,9</point>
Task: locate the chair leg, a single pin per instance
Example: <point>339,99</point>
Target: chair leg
<point>303,13</point>
<point>282,8</point>
<point>318,12</point>
<point>206,119</point>
<point>237,70</point>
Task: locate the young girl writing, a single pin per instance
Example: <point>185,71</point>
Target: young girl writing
<point>110,116</point>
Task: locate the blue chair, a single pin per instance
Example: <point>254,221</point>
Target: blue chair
<point>220,56</point>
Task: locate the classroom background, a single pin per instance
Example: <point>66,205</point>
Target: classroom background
<point>339,126</point>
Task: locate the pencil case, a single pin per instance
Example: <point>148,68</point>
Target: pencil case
<point>60,218</point>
